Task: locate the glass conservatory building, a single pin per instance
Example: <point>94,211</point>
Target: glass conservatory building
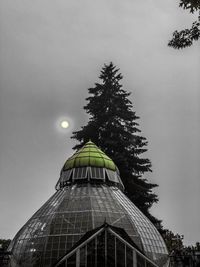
<point>88,222</point>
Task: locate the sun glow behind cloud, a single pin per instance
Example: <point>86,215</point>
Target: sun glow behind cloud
<point>64,124</point>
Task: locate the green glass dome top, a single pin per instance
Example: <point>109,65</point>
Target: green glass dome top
<point>89,155</point>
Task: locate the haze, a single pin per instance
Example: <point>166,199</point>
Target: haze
<point>51,52</point>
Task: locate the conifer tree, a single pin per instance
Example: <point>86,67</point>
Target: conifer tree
<point>113,127</point>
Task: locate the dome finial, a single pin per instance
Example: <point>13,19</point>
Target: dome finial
<point>89,163</point>
<point>89,155</point>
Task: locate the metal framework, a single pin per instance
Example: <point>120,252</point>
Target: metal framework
<point>116,252</point>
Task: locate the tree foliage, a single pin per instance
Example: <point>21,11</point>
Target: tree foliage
<point>113,126</point>
<point>172,241</point>
<point>186,37</point>
<point>4,243</point>
<point>192,5</point>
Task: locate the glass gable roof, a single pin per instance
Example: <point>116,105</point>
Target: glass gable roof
<point>105,246</point>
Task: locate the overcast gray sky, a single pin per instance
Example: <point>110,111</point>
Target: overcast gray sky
<point>51,52</point>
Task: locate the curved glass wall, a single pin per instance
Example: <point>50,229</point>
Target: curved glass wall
<point>70,213</point>
<point>151,239</point>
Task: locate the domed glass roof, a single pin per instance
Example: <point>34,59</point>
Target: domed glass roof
<point>89,164</point>
<point>73,211</point>
<point>88,194</point>
<point>89,155</point>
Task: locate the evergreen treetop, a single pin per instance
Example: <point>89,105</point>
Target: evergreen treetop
<point>114,128</point>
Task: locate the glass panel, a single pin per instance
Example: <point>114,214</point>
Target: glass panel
<point>71,261</point>
<point>65,176</point>
<point>62,264</point>
<point>80,173</point>
<point>112,176</point>
<point>97,173</point>
<point>101,250</point>
<point>140,261</point>
<point>148,264</point>
<point>91,251</point>
<point>83,256</point>
<point>129,257</point>
<point>120,253</point>
<point>110,250</point>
